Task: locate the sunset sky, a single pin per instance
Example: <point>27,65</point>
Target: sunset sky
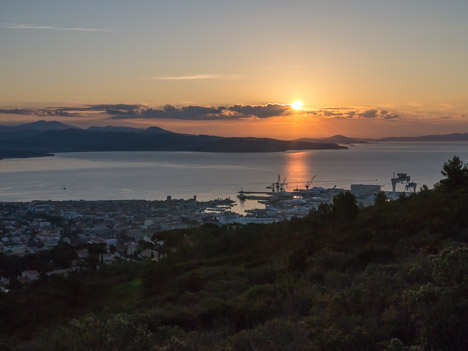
<point>361,68</point>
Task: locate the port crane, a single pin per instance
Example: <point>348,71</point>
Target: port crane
<point>411,186</point>
<point>403,178</point>
<point>277,186</point>
<point>282,185</point>
<point>310,182</point>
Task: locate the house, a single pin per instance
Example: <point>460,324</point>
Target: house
<point>137,234</point>
<point>13,249</point>
<point>96,241</point>
<point>62,272</point>
<point>82,253</point>
<point>148,253</point>
<point>4,288</point>
<point>29,276</point>
<point>122,248</point>
<point>44,224</point>
<point>107,258</point>
<point>50,239</point>
<point>174,225</point>
<point>132,248</point>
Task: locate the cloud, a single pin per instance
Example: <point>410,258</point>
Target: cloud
<point>196,77</point>
<point>116,112</point>
<point>35,27</point>
<point>69,111</point>
<point>261,111</point>
<point>391,116</point>
<point>194,112</point>
<point>60,113</point>
<point>229,112</point>
<point>116,106</point>
<point>187,112</point>
<point>336,108</point>
<point>78,111</point>
<point>368,114</point>
<point>17,111</point>
<point>332,113</point>
<point>190,112</point>
<point>355,113</point>
<point>39,112</point>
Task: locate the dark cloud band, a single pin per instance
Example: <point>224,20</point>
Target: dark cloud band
<point>196,112</point>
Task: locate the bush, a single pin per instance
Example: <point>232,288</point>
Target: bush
<point>272,336</point>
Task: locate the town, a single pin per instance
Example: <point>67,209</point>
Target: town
<point>78,235</point>
<point>96,231</point>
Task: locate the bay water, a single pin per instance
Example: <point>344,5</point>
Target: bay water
<point>155,175</point>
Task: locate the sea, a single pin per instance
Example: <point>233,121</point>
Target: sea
<point>154,175</point>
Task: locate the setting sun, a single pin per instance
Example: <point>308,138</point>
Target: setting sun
<point>296,105</point>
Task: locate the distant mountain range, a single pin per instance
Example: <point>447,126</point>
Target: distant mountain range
<point>42,138</point>
<point>437,137</point>
<point>38,126</point>
<point>341,139</point>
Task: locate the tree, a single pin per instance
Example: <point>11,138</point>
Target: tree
<point>380,198</point>
<point>297,261</point>
<point>395,345</point>
<point>345,206</point>
<point>456,173</point>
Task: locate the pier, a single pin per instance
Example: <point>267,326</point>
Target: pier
<point>256,192</point>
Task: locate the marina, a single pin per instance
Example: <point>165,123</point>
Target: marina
<point>281,204</point>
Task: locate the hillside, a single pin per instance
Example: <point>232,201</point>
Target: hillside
<point>388,277</point>
<point>38,125</point>
<point>21,154</point>
<point>341,139</point>
<point>51,137</point>
<point>42,137</point>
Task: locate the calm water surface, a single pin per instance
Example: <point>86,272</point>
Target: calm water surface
<point>154,175</point>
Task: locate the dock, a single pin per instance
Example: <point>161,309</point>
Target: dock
<point>256,192</point>
<point>255,197</point>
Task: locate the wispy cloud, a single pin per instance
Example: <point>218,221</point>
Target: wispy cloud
<point>196,77</point>
<point>36,27</point>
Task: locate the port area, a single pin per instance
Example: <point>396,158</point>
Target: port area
<point>30,227</point>
<point>282,204</point>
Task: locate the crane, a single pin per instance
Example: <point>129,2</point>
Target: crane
<point>310,182</point>
<point>277,186</point>
<point>403,178</point>
<point>282,185</point>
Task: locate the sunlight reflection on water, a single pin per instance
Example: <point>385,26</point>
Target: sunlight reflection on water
<point>154,175</point>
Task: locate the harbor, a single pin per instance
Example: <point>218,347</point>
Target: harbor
<point>280,203</point>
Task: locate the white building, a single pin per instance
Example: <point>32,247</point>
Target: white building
<point>14,249</point>
<point>50,239</point>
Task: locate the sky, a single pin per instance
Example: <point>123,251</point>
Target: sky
<point>364,68</point>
